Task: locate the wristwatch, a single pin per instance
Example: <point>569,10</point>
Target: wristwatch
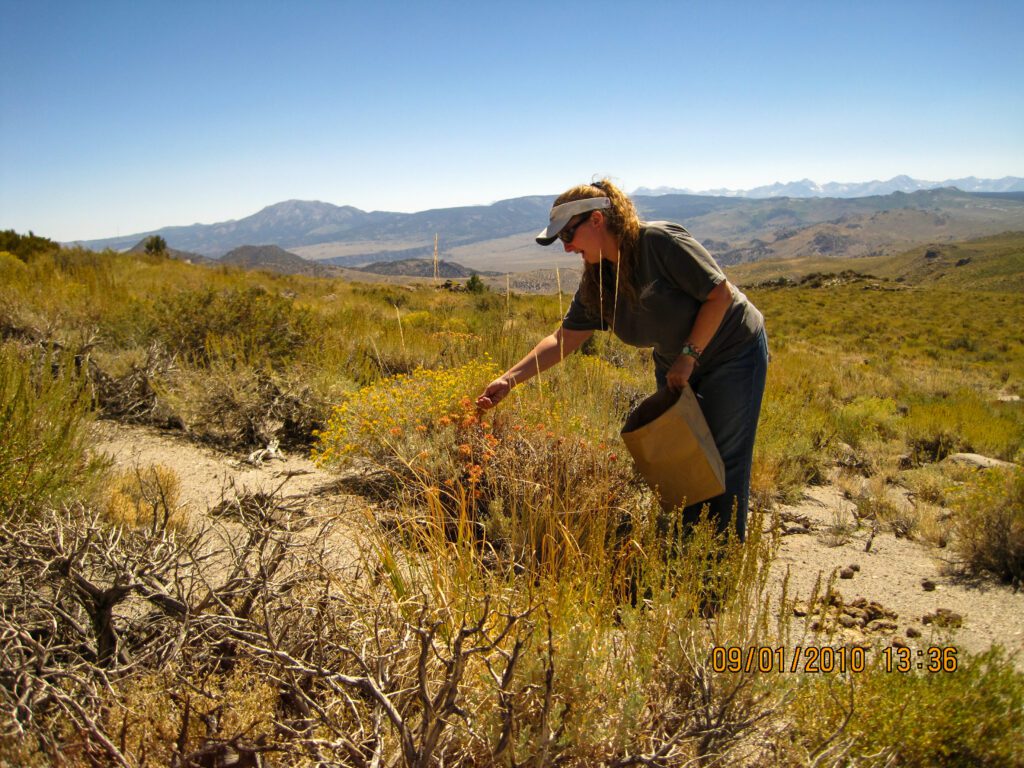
<point>692,351</point>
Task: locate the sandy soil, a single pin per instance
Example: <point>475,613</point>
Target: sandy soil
<point>892,572</point>
<point>209,477</point>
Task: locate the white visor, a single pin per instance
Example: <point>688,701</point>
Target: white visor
<point>562,215</point>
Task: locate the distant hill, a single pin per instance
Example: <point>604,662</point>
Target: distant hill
<point>270,257</point>
<point>808,188</point>
<point>994,263</point>
<point>420,268</point>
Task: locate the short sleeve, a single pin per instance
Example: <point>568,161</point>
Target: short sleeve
<point>579,319</point>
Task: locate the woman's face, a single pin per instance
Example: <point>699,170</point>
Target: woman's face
<point>586,240</point>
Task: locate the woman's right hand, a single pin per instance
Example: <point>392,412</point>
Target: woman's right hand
<point>494,393</point>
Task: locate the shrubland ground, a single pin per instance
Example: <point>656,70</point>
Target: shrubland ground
<point>520,600</point>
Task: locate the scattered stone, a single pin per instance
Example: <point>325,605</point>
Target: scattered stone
<point>905,461</point>
<point>855,619</point>
<point>977,460</point>
<point>1008,398</point>
<point>882,625</point>
<point>846,573</point>
<point>848,621</point>
<point>928,585</point>
<point>874,610</point>
<point>800,609</point>
<point>857,613</point>
<point>944,618</point>
<point>855,567</point>
<point>963,262</point>
<point>913,632</point>
<point>897,642</point>
<point>932,253</point>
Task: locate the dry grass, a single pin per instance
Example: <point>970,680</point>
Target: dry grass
<point>529,605</point>
<point>148,497</point>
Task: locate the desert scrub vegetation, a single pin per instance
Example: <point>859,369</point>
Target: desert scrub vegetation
<point>908,720</point>
<point>248,326</point>
<point>526,489</point>
<point>518,598</point>
<point>44,408</point>
<point>989,524</point>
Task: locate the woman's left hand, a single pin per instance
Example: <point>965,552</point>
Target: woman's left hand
<point>679,374</point>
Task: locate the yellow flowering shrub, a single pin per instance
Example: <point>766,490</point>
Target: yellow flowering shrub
<point>417,319</point>
<point>525,486</point>
<point>391,418</point>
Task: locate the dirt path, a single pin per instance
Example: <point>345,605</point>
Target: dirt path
<point>208,477</point>
<point>891,574</point>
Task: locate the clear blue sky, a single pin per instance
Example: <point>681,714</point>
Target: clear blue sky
<point>121,117</point>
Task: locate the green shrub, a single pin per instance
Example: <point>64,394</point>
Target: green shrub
<point>964,420</point>
<point>239,406</point>
<point>971,717</point>
<point>25,247</point>
<point>989,524</point>
<point>249,325</point>
<point>866,416</point>
<point>44,409</point>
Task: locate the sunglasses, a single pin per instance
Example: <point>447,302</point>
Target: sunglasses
<point>568,233</point>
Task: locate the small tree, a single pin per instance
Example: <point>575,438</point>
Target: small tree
<point>156,245</point>
<point>475,284</point>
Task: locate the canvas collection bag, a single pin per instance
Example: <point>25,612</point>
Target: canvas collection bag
<point>673,449</point>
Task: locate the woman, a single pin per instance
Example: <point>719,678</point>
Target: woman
<point>653,285</point>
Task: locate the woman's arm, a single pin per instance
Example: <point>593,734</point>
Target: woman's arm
<point>549,351</point>
<point>705,325</point>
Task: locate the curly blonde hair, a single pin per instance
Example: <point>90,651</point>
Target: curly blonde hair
<point>601,296</point>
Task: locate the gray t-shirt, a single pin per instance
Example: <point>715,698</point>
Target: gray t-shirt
<point>674,275</point>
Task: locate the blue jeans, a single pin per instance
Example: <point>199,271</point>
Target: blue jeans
<point>730,398</point>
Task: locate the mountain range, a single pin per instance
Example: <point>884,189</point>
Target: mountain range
<point>808,188</point>
<point>500,236</point>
